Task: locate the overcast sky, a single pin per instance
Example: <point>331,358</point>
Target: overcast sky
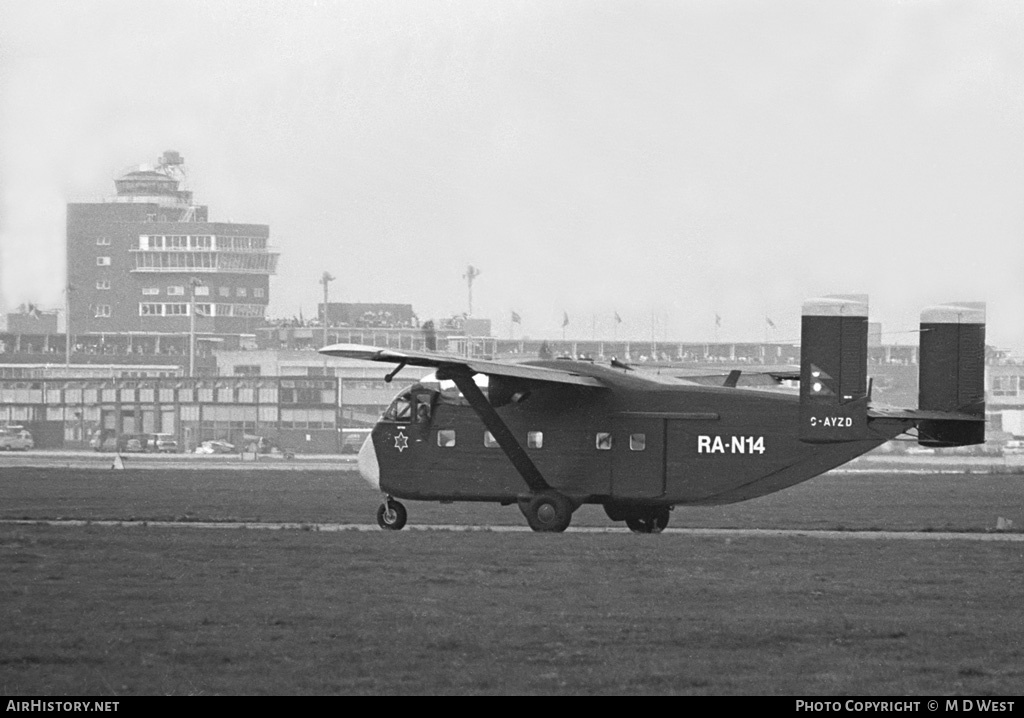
<point>668,161</point>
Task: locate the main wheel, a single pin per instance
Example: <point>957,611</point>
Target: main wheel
<point>548,512</point>
<point>392,515</point>
<point>652,522</point>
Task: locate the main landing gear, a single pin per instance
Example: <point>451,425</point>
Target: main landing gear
<point>547,511</point>
<point>391,515</point>
<point>651,522</point>
<point>640,519</point>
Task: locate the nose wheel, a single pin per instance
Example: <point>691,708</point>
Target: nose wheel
<point>391,515</point>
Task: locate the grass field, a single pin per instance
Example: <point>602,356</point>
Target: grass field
<point>96,610</point>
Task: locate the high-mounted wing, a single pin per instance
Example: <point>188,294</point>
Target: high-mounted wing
<point>451,362</point>
<point>750,378</point>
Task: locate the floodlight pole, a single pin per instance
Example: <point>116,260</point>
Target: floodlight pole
<point>192,283</point>
<point>325,279</point>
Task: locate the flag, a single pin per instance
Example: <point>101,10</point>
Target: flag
<point>565,319</point>
<point>618,319</point>
<point>516,319</point>
<point>769,322</point>
<point>718,321</point>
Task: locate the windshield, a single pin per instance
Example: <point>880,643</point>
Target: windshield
<point>415,402</point>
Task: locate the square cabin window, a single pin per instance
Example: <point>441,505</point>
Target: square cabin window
<point>535,439</point>
<point>603,441</point>
<point>489,441</point>
<point>637,442</point>
<point>446,438</point>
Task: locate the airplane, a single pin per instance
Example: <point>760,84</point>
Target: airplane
<point>553,435</point>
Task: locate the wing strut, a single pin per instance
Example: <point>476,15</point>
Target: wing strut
<point>499,429</point>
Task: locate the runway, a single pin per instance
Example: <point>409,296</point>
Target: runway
<point>702,532</point>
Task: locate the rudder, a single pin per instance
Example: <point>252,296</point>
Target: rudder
<point>833,369</point>
<point>952,373</point>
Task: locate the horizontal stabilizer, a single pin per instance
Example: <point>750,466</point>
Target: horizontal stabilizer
<point>921,415</point>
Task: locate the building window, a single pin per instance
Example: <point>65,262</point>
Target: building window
<point>102,241</point>
<point>535,439</point>
<point>202,291</point>
<point>102,261</point>
<point>240,291</point>
<point>225,291</point>
<point>103,284</point>
<point>102,310</point>
<point>637,442</point>
<point>150,309</point>
<point>247,370</point>
<point>1005,385</point>
<point>204,310</point>
<point>446,438</point>
<point>176,310</point>
<point>175,291</point>
<point>603,441</point>
<point>258,292</point>
<point>489,441</point>
<point>150,291</point>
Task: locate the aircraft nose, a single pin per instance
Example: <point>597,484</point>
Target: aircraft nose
<point>369,469</point>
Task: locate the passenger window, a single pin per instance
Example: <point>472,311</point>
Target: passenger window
<point>446,438</point>
<point>604,441</point>
<point>535,440</point>
<point>637,442</point>
<point>489,441</point>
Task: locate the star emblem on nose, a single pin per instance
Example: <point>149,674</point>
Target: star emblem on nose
<point>401,442</point>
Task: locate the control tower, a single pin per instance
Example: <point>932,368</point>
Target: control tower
<point>145,260</point>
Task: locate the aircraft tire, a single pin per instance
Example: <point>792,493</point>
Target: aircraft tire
<point>393,516</point>
<point>548,512</point>
<point>653,522</point>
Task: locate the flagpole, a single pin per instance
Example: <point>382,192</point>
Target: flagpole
<point>67,325</point>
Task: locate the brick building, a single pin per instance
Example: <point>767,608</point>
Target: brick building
<point>139,261</point>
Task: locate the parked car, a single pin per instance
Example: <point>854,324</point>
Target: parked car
<point>215,447</point>
<point>15,438</point>
<point>103,440</point>
<point>165,443</point>
<point>1014,447</point>
<point>134,443</point>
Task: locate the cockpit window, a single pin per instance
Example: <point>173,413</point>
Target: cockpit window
<point>400,409</point>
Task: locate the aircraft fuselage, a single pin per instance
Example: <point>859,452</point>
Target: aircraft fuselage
<point>638,442</point>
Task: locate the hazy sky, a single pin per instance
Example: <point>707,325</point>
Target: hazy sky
<point>662,159</point>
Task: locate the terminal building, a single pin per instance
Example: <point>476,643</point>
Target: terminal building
<point>148,272</point>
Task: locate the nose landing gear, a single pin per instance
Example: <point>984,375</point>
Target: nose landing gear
<point>391,515</point>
